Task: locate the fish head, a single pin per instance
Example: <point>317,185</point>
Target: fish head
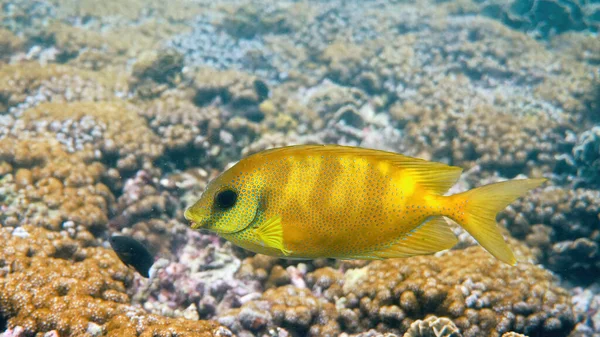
<point>229,204</point>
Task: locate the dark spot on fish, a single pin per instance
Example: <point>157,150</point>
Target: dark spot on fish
<point>132,253</point>
<point>225,199</point>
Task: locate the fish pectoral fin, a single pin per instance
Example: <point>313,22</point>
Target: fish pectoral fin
<point>271,233</point>
<point>431,237</point>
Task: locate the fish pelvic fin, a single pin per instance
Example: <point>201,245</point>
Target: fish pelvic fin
<point>476,211</point>
<point>271,234</point>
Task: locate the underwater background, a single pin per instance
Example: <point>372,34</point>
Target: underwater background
<point>114,115</point>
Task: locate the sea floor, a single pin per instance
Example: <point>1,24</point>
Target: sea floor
<point>114,115</point>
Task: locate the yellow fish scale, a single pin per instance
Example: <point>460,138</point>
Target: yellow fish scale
<point>325,200</point>
<point>344,202</point>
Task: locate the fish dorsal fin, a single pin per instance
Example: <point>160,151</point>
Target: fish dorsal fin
<point>431,237</point>
<point>271,234</point>
<point>434,177</point>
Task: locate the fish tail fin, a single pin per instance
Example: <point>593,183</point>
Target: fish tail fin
<point>476,211</point>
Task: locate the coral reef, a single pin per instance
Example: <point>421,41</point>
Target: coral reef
<point>9,43</point>
<point>52,284</point>
<point>32,83</point>
<point>117,132</point>
<point>185,128</point>
<point>587,306</point>
<point>544,18</point>
<point>586,154</point>
<point>115,116</point>
<point>478,295</point>
<point>43,184</point>
<point>156,70</point>
<point>433,326</point>
<point>480,298</point>
<point>563,226</point>
<point>202,277</point>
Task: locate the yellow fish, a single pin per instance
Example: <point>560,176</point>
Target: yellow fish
<point>313,201</point>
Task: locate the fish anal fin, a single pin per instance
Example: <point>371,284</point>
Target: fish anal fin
<point>271,234</point>
<point>431,237</point>
<point>434,177</point>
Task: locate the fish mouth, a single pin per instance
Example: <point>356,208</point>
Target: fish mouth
<point>194,219</point>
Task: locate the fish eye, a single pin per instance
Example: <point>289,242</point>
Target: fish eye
<point>225,199</point>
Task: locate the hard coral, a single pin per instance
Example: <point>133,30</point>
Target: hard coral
<point>9,44</point>
<point>292,308</point>
<point>56,83</point>
<point>155,69</point>
<point>145,211</point>
<point>486,136</point>
<point>433,326</point>
<point>239,90</point>
<point>249,20</point>
<point>586,155</point>
<point>542,18</point>
<point>563,225</point>
<point>50,283</point>
<point>188,132</point>
<point>132,11</point>
<point>49,186</point>
<point>121,134</point>
<point>481,295</point>
<point>112,46</point>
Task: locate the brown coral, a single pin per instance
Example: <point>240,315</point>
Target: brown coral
<point>289,307</point>
<point>240,90</point>
<point>156,70</point>
<point>481,295</point>
<point>132,10</point>
<point>53,283</point>
<point>484,136</point>
<point>49,187</point>
<point>183,126</point>
<point>120,133</point>
<point>433,326</point>
<point>58,83</point>
<point>562,225</point>
<point>9,44</point>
